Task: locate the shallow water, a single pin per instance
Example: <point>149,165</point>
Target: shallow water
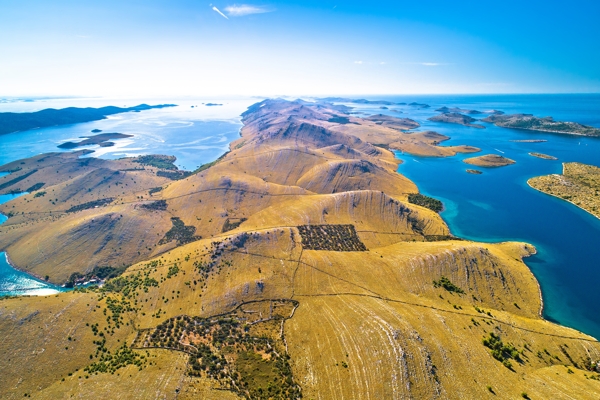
<point>14,282</point>
<point>195,135</point>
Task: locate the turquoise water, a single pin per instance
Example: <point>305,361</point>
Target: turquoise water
<point>499,206</point>
<point>14,282</point>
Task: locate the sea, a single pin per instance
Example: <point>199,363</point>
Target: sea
<point>495,206</point>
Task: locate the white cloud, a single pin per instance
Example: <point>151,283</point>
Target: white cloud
<point>358,62</point>
<point>242,10</point>
<point>219,11</point>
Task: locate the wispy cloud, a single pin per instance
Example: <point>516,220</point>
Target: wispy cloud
<point>358,62</point>
<point>246,9</point>
<point>219,11</point>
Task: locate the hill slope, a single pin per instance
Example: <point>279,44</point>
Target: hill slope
<point>293,265</point>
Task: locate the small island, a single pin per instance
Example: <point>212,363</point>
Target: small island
<point>529,141</point>
<point>456,118</point>
<point>545,124</point>
<point>101,139</point>
<point>489,161</point>
<point>446,110</point>
<point>474,171</point>
<point>544,156</point>
<point>579,184</point>
<point>213,104</point>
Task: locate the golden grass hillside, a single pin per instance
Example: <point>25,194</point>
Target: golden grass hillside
<point>294,266</point>
<point>579,184</point>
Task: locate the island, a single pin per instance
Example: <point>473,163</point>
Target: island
<point>357,101</point>
<point>101,139</point>
<point>446,110</point>
<point>489,161</point>
<point>213,104</point>
<point>300,264</point>
<point>474,171</point>
<point>544,156</point>
<point>545,124</point>
<point>579,184</point>
<point>529,140</point>
<point>456,118</point>
<point>15,122</point>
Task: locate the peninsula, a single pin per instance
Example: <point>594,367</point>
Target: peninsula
<point>579,184</point>
<point>299,264</point>
<point>16,122</point>
<point>546,124</point>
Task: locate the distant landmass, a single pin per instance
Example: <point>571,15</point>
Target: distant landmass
<point>359,101</point>
<point>545,124</point>
<point>16,122</point>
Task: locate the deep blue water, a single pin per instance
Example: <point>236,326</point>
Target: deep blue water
<point>499,205</point>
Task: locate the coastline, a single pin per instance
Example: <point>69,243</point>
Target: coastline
<point>560,198</point>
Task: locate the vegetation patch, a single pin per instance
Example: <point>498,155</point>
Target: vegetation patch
<point>331,238</point>
<point>159,205</point>
<point>158,161</point>
<point>446,284</point>
<point>180,232</point>
<point>501,351</point>
<point>243,350</point>
<point>173,175</point>
<point>232,223</point>
<point>91,204</point>
<point>39,194</point>
<point>425,201</point>
<point>206,166</point>
<point>155,190</point>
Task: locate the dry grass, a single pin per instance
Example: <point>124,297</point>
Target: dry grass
<point>579,184</point>
<point>369,324</point>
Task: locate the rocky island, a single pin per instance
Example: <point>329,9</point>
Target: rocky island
<point>101,139</point>
<point>579,184</point>
<point>546,124</point>
<point>489,161</point>
<point>544,156</point>
<point>446,110</point>
<point>300,264</point>
<point>456,118</point>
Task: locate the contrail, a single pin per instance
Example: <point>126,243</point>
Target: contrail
<point>219,11</point>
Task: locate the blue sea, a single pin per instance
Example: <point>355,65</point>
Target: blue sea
<point>499,205</point>
<point>495,206</point>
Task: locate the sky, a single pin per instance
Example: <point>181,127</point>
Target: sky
<point>223,48</point>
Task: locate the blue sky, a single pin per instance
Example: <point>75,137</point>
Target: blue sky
<point>183,47</point>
